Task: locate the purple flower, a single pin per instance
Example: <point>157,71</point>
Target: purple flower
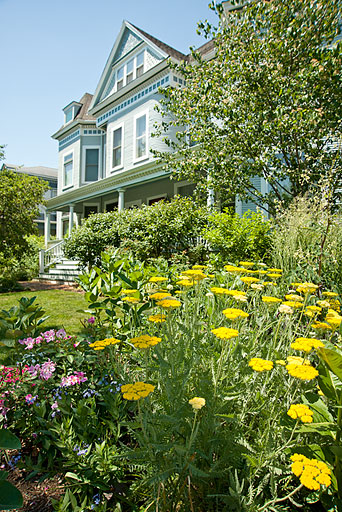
<point>91,320</point>
<point>49,335</point>
<point>60,334</point>
<point>30,399</point>
<point>47,370</point>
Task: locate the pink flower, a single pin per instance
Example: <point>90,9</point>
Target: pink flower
<point>91,320</point>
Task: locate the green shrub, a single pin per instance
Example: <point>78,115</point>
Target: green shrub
<point>235,238</point>
<point>151,231</point>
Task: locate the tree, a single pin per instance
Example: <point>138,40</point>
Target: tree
<point>268,104</point>
<point>20,196</point>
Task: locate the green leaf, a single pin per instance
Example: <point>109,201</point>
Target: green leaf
<point>73,476</point>
<point>332,359</point>
<point>8,441</point>
<point>10,497</point>
<point>3,475</point>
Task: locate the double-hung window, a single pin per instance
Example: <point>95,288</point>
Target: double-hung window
<point>139,64</point>
<point>117,160</point>
<point>120,78</point>
<point>141,137</point>
<point>67,170</point>
<point>91,164</point>
<point>129,71</point>
<point>132,69</point>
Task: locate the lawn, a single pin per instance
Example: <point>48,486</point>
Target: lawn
<point>62,306</point>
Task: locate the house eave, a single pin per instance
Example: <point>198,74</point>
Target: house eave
<point>71,126</point>
<point>126,179</point>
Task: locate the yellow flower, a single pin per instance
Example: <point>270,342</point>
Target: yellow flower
<point>224,333</point>
<point>312,473</point>
<point>234,293</point>
<point>293,304</point>
<point>232,268</point>
<point>260,365</point>
<point>321,325</point>
<point>132,300</point>
<point>333,318</point>
<point>335,304</point>
<point>145,341</point>
<point>302,371</point>
<point>274,276</point>
<point>330,294</point>
<point>197,403</point>
<point>306,287</point>
<point>249,280</point>
<point>241,298</point>
<point>301,412</point>
<point>136,391</point>
<point>269,283</point>
<point>128,291</point>
<point>306,344</point>
<point>195,275</point>
<point>234,313</point>
<point>314,309</point>
<point>199,267</point>
<point>257,286</point>
<point>159,295</point>
<point>169,303</point>
<point>159,318</point>
<point>297,360</point>
<point>276,270</point>
<point>185,282</point>
<point>281,362</point>
<point>157,279</point>
<point>270,300</point>
<point>294,297</point>
<point>246,263</point>
<point>101,344</point>
<point>220,291</point>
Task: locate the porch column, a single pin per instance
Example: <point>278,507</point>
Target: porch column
<point>121,203</point>
<point>71,218</point>
<point>47,227</point>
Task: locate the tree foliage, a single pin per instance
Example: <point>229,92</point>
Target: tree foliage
<point>267,105</point>
<point>20,196</point>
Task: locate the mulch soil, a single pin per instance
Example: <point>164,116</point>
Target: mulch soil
<point>37,494</point>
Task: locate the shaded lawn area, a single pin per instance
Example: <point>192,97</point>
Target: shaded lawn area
<point>61,305</point>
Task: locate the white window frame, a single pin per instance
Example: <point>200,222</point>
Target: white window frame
<point>90,204</point>
<point>72,110</point>
<point>64,155</point>
<point>112,130</point>
<point>147,155</point>
<point>158,196</point>
<point>109,202</point>
<point>180,184</point>
<point>137,202</point>
<point>84,163</point>
<point>124,66</point>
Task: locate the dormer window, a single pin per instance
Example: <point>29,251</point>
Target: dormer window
<point>71,111</point>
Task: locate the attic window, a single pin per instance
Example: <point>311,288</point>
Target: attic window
<point>132,69</point>
<point>129,71</point>
<point>69,115</point>
<point>140,64</point>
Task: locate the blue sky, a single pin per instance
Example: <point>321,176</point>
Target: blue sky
<point>53,52</point>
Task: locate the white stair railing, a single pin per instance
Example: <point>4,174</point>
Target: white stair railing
<point>50,256</point>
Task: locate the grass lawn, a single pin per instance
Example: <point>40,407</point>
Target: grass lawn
<point>61,305</point>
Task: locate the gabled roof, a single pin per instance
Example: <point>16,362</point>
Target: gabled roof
<point>39,170</point>
<point>163,50</point>
<point>172,52</point>
<point>81,116</point>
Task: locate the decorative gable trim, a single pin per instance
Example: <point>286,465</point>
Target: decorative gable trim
<point>116,50</point>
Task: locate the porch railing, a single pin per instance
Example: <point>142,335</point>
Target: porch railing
<point>48,257</point>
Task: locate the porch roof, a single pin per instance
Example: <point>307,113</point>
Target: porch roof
<point>112,183</point>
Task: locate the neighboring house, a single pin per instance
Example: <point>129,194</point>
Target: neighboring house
<point>48,174</point>
<point>104,144</point>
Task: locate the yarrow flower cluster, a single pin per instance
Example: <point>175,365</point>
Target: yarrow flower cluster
<point>234,313</point>
<point>225,333</point>
<point>197,403</point>
<point>306,344</point>
<point>145,341</point>
<point>270,300</point>
<point>301,412</point>
<point>72,380</point>
<point>260,365</point>
<point>102,344</point>
<point>137,390</point>
<point>302,371</point>
<point>312,473</point>
<point>157,319</point>
<point>169,303</point>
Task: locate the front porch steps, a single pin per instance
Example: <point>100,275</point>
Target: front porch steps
<point>66,270</point>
